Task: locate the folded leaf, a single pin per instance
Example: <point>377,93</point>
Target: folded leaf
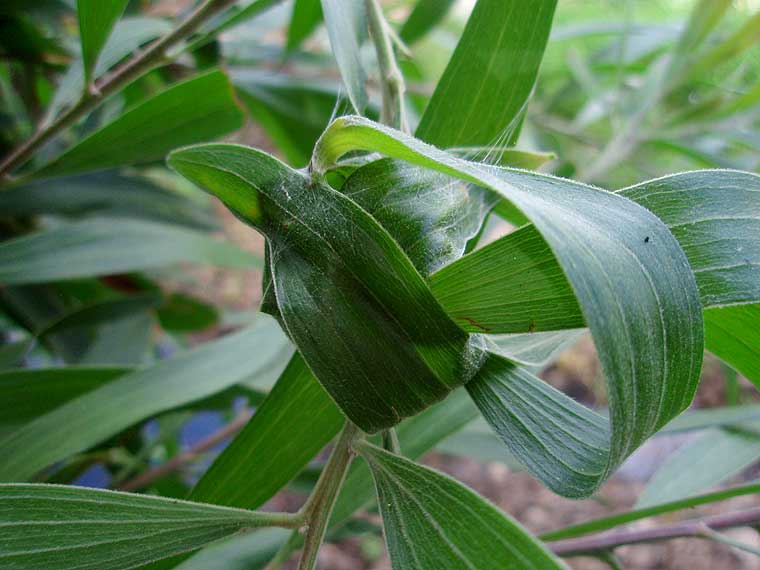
<point>195,110</point>
<point>103,247</point>
<point>55,526</point>
<point>396,347</point>
<point>632,281</point>
<point>432,521</point>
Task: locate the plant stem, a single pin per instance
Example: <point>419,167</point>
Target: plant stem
<point>142,62</point>
<point>391,78</point>
<point>695,529</point>
<point>283,520</point>
<point>319,506</point>
<point>145,479</point>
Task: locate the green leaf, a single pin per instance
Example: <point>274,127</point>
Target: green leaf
<point>106,411</point>
<point>183,313</point>
<point>195,110</point>
<point>638,298</point>
<point>292,112</point>
<point>238,13</point>
<point>701,464</point>
<point>12,353</point>
<point>290,427</point>
<point>105,194</point>
<point>249,551</point>
<point>347,27</point>
<point>96,19</point>
<point>484,91</point>
<point>56,526</point>
<point>100,312</point>
<point>103,247</point>
<point>30,393</point>
<point>307,14</point>
<point>736,44</point>
<point>397,347</point>
<point>605,523</point>
<point>732,334</point>
<point>432,521</point>
<point>427,14</point>
<point>129,34</point>
<point>714,215</point>
<point>125,342</point>
<point>431,216</point>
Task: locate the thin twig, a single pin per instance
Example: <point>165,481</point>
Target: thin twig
<point>142,62</point>
<point>144,480</point>
<point>694,529</point>
<point>320,503</point>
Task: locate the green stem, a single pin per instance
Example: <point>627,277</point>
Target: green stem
<point>130,70</point>
<point>391,78</point>
<point>319,506</point>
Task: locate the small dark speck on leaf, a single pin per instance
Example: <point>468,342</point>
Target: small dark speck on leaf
<point>646,239</point>
<point>532,326</point>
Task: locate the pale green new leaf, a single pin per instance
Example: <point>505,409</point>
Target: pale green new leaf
<point>103,247</point>
<point>68,528</point>
<point>96,19</point>
<point>104,412</point>
<point>432,521</point>
<point>195,110</point>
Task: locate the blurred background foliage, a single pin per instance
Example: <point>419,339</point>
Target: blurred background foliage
<point>124,265</point>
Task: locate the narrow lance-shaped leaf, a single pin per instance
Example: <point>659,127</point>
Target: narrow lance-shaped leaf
<point>687,473</point>
<point>306,16</point>
<point>714,215</point>
<point>198,109</point>
<point>29,393</point>
<point>128,34</point>
<point>56,526</point>
<point>347,27</point>
<point>432,521</point>
<point>427,14</point>
<point>96,19</point>
<point>639,300</point>
<point>481,98</point>
<point>104,412</point>
<point>291,426</point>
<point>103,247</point>
<point>397,348</point>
